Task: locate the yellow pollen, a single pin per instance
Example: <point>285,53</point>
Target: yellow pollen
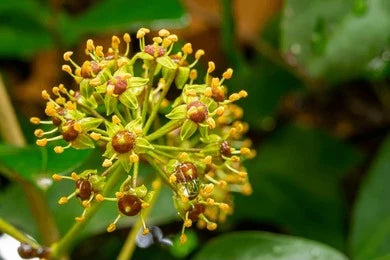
<point>211,67</point>
<point>41,142</point>
<point>67,55</point>
<point>126,38</point>
<point>63,200</point>
<point>199,53</point>
<point>56,177</point>
<point>58,149</point>
<point>111,228</point>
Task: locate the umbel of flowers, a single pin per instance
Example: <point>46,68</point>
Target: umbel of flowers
<point>195,141</point>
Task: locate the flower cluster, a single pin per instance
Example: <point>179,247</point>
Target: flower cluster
<point>195,142</point>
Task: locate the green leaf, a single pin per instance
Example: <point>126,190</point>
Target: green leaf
<point>111,103</point>
<point>178,112</point>
<point>296,182</point>
<point>134,82</point>
<point>83,141</point>
<point>335,40</point>
<point>370,236</point>
<point>128,99</point>
<point>266,246</point>
<point>115,15</point>
<point>180,250</point>
<point>89,123</point>
<point>85,89</point>
<point>167,62</point>
<point>23,29</point>
<point>188,129</point>
<point>182,76</point>
<point>33,162</point>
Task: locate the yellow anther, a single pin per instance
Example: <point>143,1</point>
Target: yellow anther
<point>99,51</point>
<point>214,82</point>
<point>183,156</point>
<point>140,34</point>
<point>187,48</point>
<point>157,40</point>
<point>99,197</point>
<point>211,122</point>
<point>210,201</point>
<point>35,120</point>
<point>90,45</point>
<point>75,176</point>
<point>56,177</point>
<point>77,126</point>
<point>246,189</point>
<point>38,132</point>
<point>119,194</point>
<point>134,158</point>
<point>199,53</point>
<point>172,178</point>
<point>245,151</point>
<point>208,188</point>
<point>208,159</point>
<point>193,74</point>
<point>228,74</point>
<point>86,204</point>
<point>115,119</point>
<point>145,231</point>
<point>67,68</point>
<point>211,67</point>
<point>111,227</point>
<point>55,90</point>
<point>107,163</point>
<point>222,184</point>
<point>211,226</point>
<point>188,223</point>
<point>163,33</point>
<point>67,55</point>
<point>127,38</point>
<point>115,41</point>
<point>208,92</point>
<point>79,219</point>
<point>41,142</point>
<point>63,200</point>
<point>243,94</point>
<point>234,97</point>
<point>242,174</point>
<point>58,149</point>
<point>225,207</point>
<point>173,37</point>
<point>219,111</point>
<point>183,239</point>
<point>191,92</point>
<point>45,95</point>
<point>95,136</point>
<point>145,205</point>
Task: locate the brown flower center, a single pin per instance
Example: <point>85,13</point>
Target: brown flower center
<point>120,85</point>
<point>68,131</point>
<point>151,49</point>
<point>84,188</point>
<point>123,141</point>
<point>225,149</point>
<point>129,205</point>
<point>185,172</point>
<point>200,113</point>
<point>195,211</point>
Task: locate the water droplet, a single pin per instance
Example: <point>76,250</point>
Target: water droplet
<point>44,182</point>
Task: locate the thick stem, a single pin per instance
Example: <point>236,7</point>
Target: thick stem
<point>15,233</point>
<point>168,127</point>
<point>129,245</point>
<point>66,242</point>
<point>11,132</point>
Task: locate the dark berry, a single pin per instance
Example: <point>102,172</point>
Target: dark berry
<point>123,141</point>
<point>26,251</point>
<point>150,49</point>
<point>120,85</point>
<point>201,112</point>
<point>195,211</point>
<point>68,132</point>
<point>56,120</point>
<point>43,252</point>
<point>185,172</point>
<point>225,149</point>
<point>84,188</point>
<point>129,205</point>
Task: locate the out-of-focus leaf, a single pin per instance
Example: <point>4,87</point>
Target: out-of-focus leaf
<point>33,162</point>
<point>115,15</point>
<point>370,237</point>
<point>266,246</point>
<point>335,40</point>
<point>23,29</point>
<point>296,183</point>
<point>180,250</point>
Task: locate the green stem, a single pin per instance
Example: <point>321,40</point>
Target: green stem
<point>156,106</point>
<point>148,89</point>
<point>129,245</point>
<point>177,149</point>
<point>15,233</point>
<point>168,127</point>
<point>67,241</point>
<point>135,174</point>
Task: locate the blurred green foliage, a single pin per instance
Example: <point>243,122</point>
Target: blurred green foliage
<point>298,173</point>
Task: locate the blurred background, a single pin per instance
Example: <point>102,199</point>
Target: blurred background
<point>317,73</point>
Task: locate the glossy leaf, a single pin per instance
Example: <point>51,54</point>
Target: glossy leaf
<point>296,184</point>
<point>266,246</point>
<point>370,237</point>
<point>324,36</point>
